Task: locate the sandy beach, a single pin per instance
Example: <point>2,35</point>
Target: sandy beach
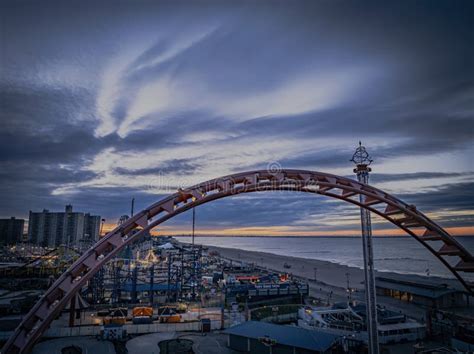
<point>331,278</point>
<point>322,271</point>
<point>325,272</point>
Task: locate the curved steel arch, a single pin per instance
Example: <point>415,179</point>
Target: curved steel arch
<point>404,216</point>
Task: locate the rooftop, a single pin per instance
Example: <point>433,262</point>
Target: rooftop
<point>420,288</point>
<point>286,335</point>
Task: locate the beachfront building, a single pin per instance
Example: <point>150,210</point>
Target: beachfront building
<point>262,338</point>
<point>349,321</point>
<point>423,293</point>
<point>51,229</point>
<point>11,230</point>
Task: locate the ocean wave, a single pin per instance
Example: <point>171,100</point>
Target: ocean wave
<point>400,259</point>
<point>314,252</point>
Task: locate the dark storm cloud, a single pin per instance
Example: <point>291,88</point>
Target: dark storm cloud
<point>418,55</point>
<point>40,124</point>
<point>318,160</point>
<point>42,173</point>
<point>455,201</point>
<point>424,128</point>
<point>177,166</point>
<point>381,177</point>
<point>448,196</point>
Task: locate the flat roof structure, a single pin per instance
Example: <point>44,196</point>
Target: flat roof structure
<point>420,288</point>
<point>285,335</point>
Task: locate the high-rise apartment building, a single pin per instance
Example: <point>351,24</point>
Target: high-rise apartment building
<point>11,230</point>
<point>91,227</point>
<point>62,228</point>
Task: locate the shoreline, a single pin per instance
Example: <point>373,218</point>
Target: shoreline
<point>327,273</point>
<point>390,258</point>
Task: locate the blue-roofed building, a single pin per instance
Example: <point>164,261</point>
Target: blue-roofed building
<point>262,338</point>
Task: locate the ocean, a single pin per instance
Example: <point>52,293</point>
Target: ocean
<point>392,254</point>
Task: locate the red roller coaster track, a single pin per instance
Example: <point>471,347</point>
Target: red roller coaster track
<point>405,216</point>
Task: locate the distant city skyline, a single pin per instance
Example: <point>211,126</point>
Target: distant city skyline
<point>105,102</point>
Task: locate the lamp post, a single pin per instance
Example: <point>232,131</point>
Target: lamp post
<point>362,160</point>
<point>349,289</point>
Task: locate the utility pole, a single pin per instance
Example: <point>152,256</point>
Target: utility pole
<point>169,277</point>
<point>193,281</point>
<point>349,289</point>
<point>194,224</point>
<point>194,259</point>
<point>362,160</point>
<point>152,283</point>
<point>134,283</point>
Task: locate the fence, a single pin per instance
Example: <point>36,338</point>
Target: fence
<point>131,329</point>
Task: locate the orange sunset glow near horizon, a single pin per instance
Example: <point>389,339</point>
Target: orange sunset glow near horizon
<point>283,231</point>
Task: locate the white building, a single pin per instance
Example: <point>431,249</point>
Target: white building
<point>62,228</point>
<point>348,321</point>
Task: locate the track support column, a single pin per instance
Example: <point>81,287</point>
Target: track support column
<point>362,160</point>
<point>72,311</point>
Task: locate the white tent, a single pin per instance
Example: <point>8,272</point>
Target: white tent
<point>166,246</point>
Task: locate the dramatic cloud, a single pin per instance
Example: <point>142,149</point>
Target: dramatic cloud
<point>105,101</point>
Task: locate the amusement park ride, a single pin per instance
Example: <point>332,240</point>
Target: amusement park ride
<point>362,160</point>
<point>45,263</point>
<point>371,200</point>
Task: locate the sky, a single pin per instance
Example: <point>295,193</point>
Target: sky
<point>105,101</point>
